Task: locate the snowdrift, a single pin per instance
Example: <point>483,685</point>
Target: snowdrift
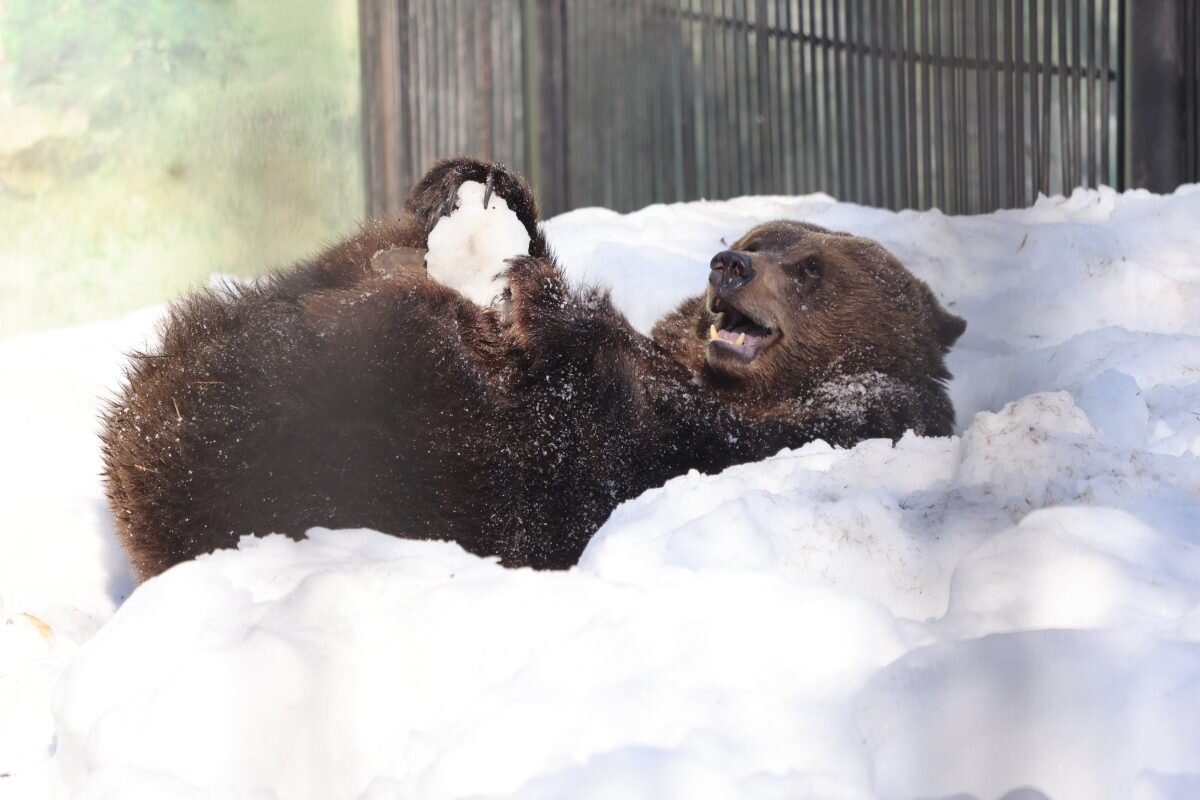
<point>1011,611</point>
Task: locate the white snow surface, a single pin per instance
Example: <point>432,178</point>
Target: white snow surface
<point>1013,611</point>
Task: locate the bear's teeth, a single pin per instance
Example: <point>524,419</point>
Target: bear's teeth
<point>741,339</point>
<point>712,332</point>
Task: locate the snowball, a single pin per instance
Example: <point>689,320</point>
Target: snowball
<point>467,249</point>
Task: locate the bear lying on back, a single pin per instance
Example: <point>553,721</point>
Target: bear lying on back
<point>355,391</point>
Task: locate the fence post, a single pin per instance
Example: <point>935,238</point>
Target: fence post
<point>1155,125</point>
<point>530,69</point>
<point>385,118</point>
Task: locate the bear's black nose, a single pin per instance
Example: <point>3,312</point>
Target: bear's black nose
<point>730,270</point>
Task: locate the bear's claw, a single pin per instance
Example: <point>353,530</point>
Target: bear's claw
<point>487,187</point>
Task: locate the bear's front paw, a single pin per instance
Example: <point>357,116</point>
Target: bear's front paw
<point>437,194</point>
<point>536,285</point>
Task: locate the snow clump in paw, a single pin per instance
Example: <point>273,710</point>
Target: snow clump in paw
<point>468,248</point>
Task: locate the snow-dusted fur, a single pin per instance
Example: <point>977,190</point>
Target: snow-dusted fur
<point>355,391</point>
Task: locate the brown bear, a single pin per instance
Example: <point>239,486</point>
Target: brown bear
<point>352,390</point>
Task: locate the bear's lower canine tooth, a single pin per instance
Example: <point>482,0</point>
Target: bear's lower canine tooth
<point>712,332</point>
<point>742,339</point>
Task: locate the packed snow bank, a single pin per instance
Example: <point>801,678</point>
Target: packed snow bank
<point>1015,609</point>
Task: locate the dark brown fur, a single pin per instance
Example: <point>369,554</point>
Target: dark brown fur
<point>348,393</point>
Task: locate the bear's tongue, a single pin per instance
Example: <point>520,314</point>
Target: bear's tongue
<point>744,335</point>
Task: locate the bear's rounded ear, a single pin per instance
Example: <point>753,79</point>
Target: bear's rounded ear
<point>949,327</point>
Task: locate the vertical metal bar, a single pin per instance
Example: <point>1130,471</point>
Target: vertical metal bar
<point>959,176</point>
<point>1105,87</point>
<point>507,100</point>
<point>499,143</point>
<point>997,120</point>
<point>708,78</point>
<point>810,127</point>
<point>888,128</point>
<point>371,77</point>
<point>1047,89</point>
<point>983,77</point>
<point>558,37</point>
<point>1090,93</point>
<point>693,168</point>
<point>653,108</point>
<point>683,180</point>
<point>573,86</point>
<point>699,66</point>
<point>941,198</point>
<point>980,109</point>
<point>1193,94</point>
<point>631,127</point>
<point>530,69</point>
<point>1122,79</point>
<point>841,98</point>
<point>741,84</point>
<point>968,171</point>
<point>412,58</point>
<point>912,162</point>
<point>583,154</point>
<point>449,100</point>
<point>1021,71</point>
<point>773,108</point>
<point>783,52</point>
<point>440,71</point>
<point>879,125</point>
<point>664,103</point>
<point>795,93</point>
<point>1077,96</point>
<point>1035,106</point>
<point>566,134</point>
<point>733,119</point>
<point>868,137</point>
<point>723,121</point>
<point>1014,135</point>
<point>642,130</point>
<point>1064,98</point>
<point>610,53</point>
<point>468,114</point>
<point>854,119</point>
<point>827,143</point>
<point>758,112</point>
<point>900,65</point>
<point>653,44</point>
<point>716,94</point>
<point>402,94</point>
<point>896,41</point>
<point>926,110</point>
<point>616,170</point>
<point>426,18</point>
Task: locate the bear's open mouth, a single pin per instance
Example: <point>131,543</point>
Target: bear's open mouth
<point>735,332</point>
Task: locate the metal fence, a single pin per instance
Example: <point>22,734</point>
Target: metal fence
<point>966,106</point>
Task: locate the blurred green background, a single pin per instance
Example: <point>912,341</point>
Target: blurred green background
<point>147,144</point>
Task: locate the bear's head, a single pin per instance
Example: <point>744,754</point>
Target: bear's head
<point>791,305</point>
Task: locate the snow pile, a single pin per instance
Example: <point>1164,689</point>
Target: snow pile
<point>1013,612</point>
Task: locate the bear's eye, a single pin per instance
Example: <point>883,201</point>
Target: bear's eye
<point>811,267</point>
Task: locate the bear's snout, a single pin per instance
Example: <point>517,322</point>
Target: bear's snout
<point>730,270</point>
